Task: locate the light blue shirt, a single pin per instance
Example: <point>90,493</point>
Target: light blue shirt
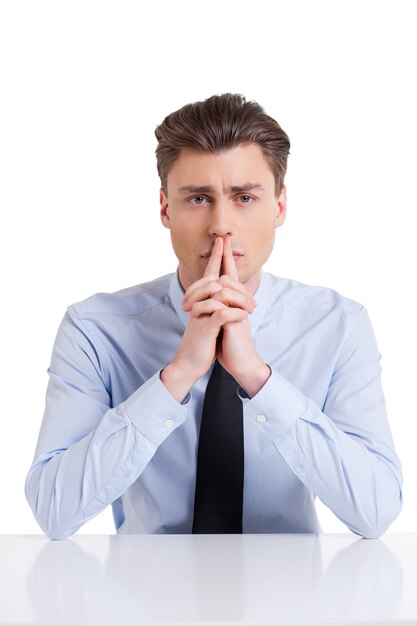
<point>113,434</point>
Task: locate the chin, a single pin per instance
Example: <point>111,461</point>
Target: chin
<point>248,274</point>
<point>245,276</point>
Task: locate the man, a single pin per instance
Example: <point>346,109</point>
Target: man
<point>219,398</point>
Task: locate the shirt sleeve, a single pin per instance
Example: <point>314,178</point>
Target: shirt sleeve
<point>343,451</point>
<point>89,453</point>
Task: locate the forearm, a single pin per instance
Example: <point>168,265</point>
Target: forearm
<point>357,476</point>
<point>253,378</point>
<point>360,485</point>
<point>72,482</point>
<point>178,379</point>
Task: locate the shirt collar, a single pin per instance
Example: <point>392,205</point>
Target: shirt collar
<point>262,297</point>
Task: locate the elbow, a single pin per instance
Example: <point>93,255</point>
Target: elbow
<point>54,528</point>
<point>375,525</point>
<point>57,534</point>
<point>45,514</point>
<point>370,531</point>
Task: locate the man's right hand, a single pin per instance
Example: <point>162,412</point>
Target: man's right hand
<point>197,350</point>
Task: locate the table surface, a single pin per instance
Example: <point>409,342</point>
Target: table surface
<point>208,579</point>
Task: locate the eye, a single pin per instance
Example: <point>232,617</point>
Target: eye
<point>202,198</point>
<point>246,198</point>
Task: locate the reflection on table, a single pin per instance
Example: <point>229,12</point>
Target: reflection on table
<point>248,579</point>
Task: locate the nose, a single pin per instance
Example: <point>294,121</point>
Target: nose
<point>220,220</point>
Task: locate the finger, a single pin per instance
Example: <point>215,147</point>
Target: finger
<point>227,281</point>
<point>229,297</point>
<point>232,298</point>
<point>206,288</point>
<point>229,265</point>
<point>208,284</point>
<point>206,307</point>
<point>209,278</point>
<point>227,315</point>
<point>217,313</point>
<point>215,260</point>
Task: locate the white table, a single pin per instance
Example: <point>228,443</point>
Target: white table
<point>208,579</point>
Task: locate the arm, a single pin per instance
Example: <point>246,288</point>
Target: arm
<point>89,453</point>
<point>343,452</point>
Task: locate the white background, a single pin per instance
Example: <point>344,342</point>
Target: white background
<point>83,86</point>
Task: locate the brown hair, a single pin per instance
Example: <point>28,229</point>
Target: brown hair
<point>219,123</point>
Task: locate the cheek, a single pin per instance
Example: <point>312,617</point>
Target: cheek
<point>182,243</point>
<point>184,229</point>
<point>261,238</point>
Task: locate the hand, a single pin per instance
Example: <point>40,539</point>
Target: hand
<point>235,351</point>
<point>225,288</point>
<point>208,315</point>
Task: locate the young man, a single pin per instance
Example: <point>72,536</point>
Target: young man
<point>219,398</point>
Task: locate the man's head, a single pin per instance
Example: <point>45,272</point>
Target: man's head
<point>217,124</point>
<point>216,147</point>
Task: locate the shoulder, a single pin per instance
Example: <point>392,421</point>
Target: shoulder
<point>130,301</point>
<point>310,298</point>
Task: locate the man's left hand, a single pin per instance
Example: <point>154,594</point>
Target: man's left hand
<point>236,351</point>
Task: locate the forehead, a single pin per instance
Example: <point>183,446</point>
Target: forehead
<point>231,167</point>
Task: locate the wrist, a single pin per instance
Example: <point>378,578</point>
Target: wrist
<point>178,379</point>
<point>254,378</point>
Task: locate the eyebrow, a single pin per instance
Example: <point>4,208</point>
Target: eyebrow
<point>208,189</point>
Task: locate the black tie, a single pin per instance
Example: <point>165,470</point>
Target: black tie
<point>218,500</point>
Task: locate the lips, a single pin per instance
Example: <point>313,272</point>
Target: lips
<point>236,253</point>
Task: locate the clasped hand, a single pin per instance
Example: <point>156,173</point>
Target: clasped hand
<point>218,326</point>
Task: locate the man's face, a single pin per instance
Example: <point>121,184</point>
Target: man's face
<point>209,196</point>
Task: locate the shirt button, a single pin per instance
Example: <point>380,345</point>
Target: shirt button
<point>168,423</point>
<point>261,418</point>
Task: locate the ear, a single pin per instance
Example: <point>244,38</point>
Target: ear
<point>281,207</point>
<point>164,213</point>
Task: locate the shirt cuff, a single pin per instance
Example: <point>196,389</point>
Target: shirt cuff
<point>276,406</point>
<point>153,410</point>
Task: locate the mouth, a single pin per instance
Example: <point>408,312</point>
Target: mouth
<point>236,254</point>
